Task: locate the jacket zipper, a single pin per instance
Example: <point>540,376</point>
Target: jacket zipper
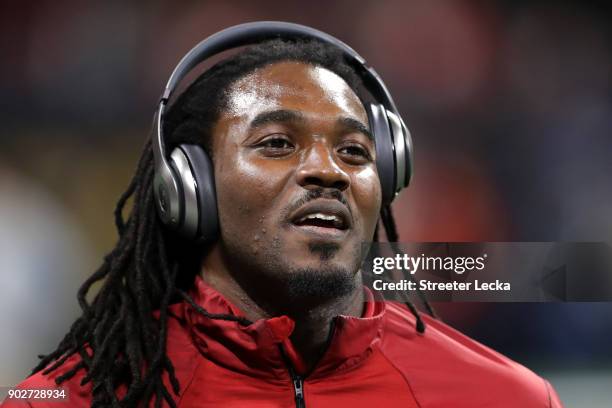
<point>298,389</point>
<point>296,380</point>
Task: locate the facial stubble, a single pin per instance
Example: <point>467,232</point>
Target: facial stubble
<point>276,283</point>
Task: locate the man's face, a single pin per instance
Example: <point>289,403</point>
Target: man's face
<point>296,180</point>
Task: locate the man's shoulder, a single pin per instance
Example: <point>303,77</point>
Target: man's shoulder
<point>179,349</point>
<point>442,358</point>
<point>69,393</point>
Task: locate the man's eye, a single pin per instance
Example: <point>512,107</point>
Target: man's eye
<point>275,146</point>
<point>356,151</point>
<point>277,143</point>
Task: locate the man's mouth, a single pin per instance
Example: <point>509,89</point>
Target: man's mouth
<point>322,216</point>
<point>321,220</point>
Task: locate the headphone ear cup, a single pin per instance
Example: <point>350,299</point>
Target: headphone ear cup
<point>168,197</point>
<point>201,219</point>
<point>385,157</point>
<point>402,150</point>
<point>409,153</point>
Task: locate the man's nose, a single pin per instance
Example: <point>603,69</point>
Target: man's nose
<point>318,168</point>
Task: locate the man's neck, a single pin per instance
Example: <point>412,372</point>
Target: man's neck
<point>312,323</point>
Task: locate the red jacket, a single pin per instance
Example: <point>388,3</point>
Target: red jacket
<point>378,360</point>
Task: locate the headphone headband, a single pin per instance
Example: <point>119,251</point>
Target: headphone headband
<point>251,33</point>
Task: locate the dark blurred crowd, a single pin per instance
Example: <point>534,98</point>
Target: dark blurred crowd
<point>509,104</point>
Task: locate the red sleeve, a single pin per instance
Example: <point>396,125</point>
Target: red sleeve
<point>76,395</point>
<point>35,382</point>
<point>14,403</point>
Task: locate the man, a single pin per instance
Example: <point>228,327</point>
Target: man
<point>271,313</point>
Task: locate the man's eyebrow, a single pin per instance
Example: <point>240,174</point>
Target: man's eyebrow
<point>291,116</point>
<point>277,116</point>
<point>356,126</point>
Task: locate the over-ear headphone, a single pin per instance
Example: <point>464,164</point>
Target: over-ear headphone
<point>184,182</point>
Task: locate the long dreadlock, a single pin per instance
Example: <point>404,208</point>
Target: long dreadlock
<point>386,216</point>
<point>117,337</point>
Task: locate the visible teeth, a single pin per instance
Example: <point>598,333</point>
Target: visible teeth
<point>320,216</point>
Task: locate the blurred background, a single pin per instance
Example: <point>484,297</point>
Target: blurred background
<point>509,104</point>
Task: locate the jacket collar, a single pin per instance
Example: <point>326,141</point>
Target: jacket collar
<point>263,347</point>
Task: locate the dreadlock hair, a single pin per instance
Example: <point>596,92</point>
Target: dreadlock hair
<point>117,337</point>
<point>386,216</point>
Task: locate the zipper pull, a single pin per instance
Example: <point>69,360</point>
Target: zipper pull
<point>298,386</point>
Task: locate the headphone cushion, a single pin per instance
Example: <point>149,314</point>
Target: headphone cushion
<point>385,157</point>
<point>203,174</point>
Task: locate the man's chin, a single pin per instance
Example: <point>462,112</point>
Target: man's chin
<point>320,283</point>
